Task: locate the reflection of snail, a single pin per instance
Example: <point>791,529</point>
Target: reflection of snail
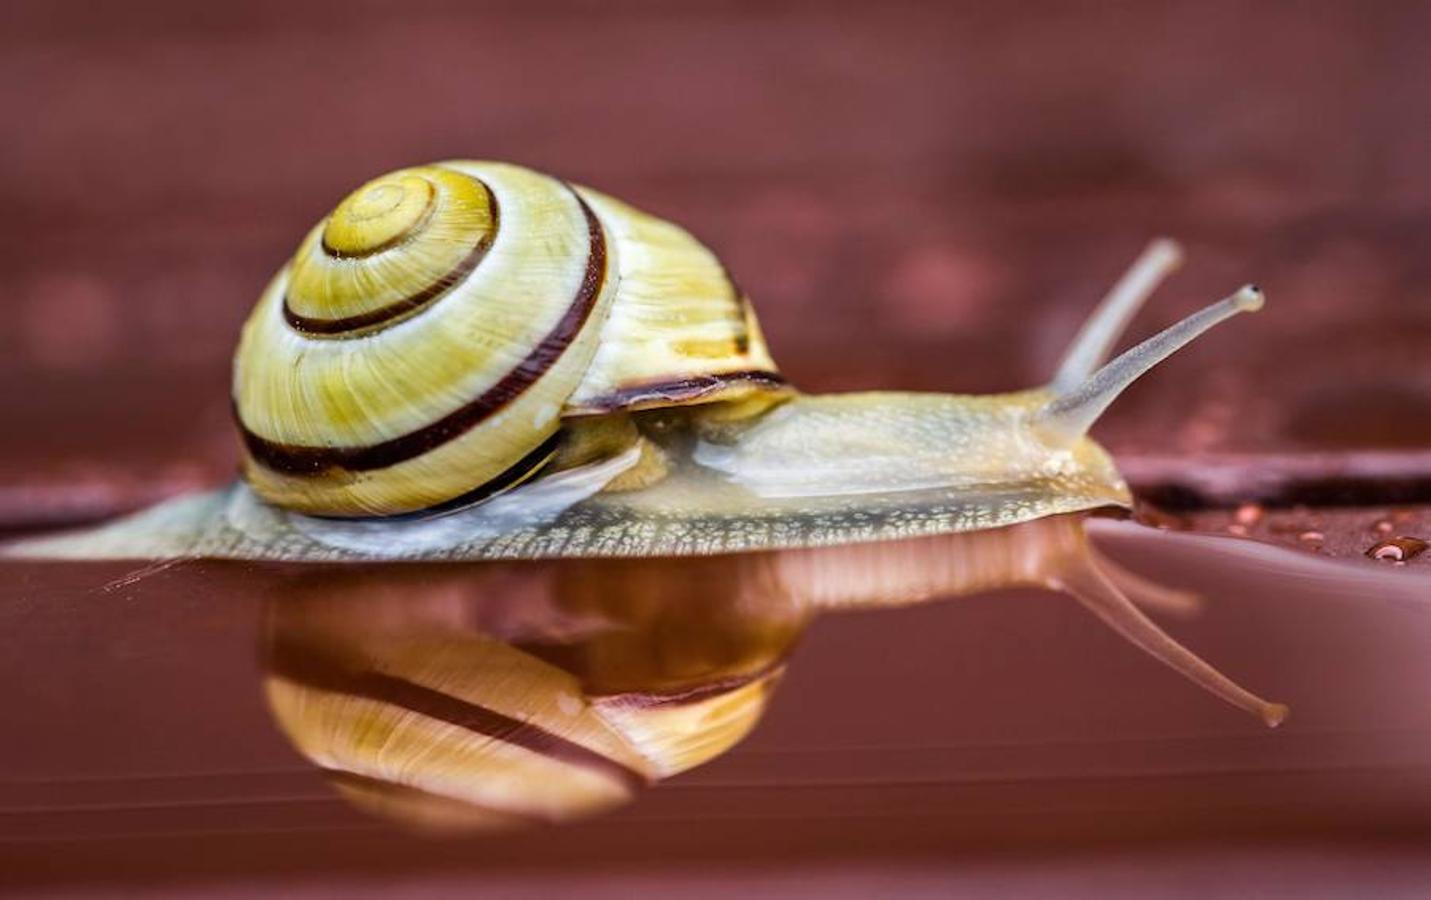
<point>494,695</point>
<point>453,331</point>
<point>476,697</point>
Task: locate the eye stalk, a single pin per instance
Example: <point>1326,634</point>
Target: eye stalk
<point>1073,410</point>
<point>1095,339</point>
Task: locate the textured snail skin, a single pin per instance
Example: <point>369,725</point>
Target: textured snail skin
<point>815,471</point>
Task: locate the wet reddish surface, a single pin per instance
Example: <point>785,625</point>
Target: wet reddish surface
<point>917,196</point>
<point>913,741</point>
<point>1342,532</point>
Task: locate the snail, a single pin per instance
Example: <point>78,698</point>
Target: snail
<point>474,361</point>
<point>479,697</point>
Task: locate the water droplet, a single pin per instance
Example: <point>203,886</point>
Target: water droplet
<point>1248,514</point>
<point>1312,537</point>
<point>1398,549</point>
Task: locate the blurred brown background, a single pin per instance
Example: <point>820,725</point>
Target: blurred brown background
<point>917,195</point>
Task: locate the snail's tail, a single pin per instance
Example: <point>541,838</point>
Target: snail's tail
<point>1095,339</point>
<point>1069,415</point>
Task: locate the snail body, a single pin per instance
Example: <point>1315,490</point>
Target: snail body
<point>473,360</point>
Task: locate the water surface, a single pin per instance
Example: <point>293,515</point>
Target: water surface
<point>209,718</point>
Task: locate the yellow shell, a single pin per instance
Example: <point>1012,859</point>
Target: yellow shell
<point>429,337</point>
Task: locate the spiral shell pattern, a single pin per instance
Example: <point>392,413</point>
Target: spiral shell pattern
<point>425,342</point>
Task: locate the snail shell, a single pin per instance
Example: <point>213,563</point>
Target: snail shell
<point>431,335</point>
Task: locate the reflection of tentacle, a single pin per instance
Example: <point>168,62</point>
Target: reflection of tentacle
<point>1095,591</point>
<point>1144,592</point>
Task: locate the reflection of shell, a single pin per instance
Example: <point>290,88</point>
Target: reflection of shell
<point>679,732</point>
<point>379,678</point>
<point>464,719</point>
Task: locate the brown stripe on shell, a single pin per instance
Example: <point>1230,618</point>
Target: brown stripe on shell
<point>678,390</point>
<point>522,470</point>
<point>742,339</point>
<point>308,667</point>
<point>690,696</point>
<point>295,459</point>
<point>412,796</point>
<point>363,323</point>
<point>741,301</point>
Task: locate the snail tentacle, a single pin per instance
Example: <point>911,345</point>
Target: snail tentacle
<point>1088,584</point>
<point>1149,594</point>
<point>1068,416</point>
<point>1095,339</point>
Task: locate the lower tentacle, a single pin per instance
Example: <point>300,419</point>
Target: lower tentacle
<point>1079,576</point>
<point>1145,592</point>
